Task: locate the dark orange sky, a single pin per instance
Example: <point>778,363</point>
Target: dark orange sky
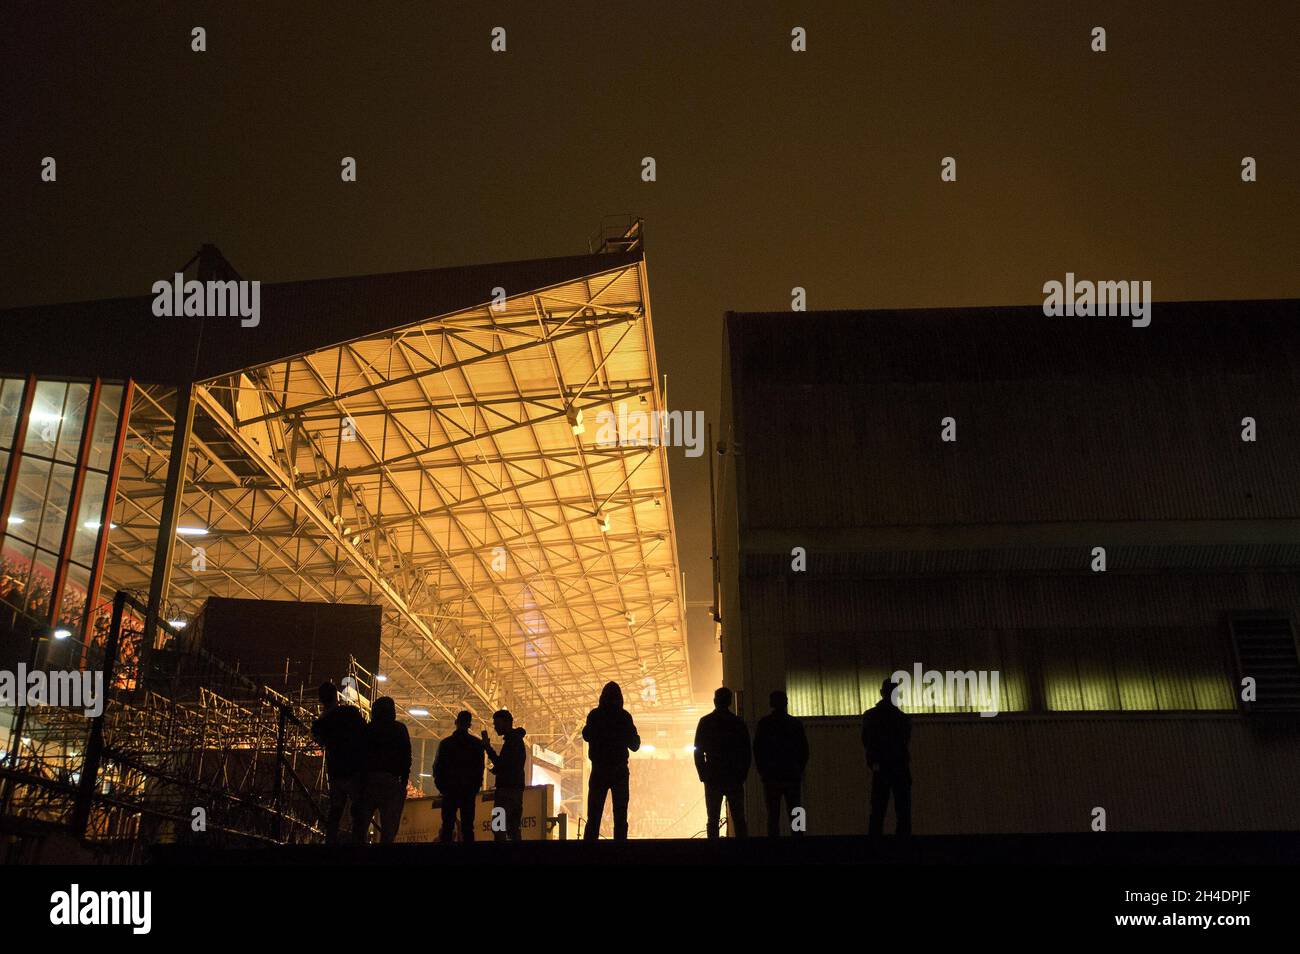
<point>775,169</point>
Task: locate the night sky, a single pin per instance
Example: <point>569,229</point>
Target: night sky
<point>775,169</point>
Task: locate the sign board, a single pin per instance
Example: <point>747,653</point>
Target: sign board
<point>422,817</point>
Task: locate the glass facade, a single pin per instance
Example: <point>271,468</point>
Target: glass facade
<point>57,464</point>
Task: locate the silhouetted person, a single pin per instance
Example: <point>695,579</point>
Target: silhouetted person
<point>610,734</point>
<point>722,761</point>
<point>780,755</point>
<point>508,767</point>
<point>340,730</point>
<point>458,774</point>
<point>886,733</point>
<point>388,769</point>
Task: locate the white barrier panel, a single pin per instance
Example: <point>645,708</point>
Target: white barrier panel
<point>422,817</point>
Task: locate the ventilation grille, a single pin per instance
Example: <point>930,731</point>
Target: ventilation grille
<point>1266,652</point>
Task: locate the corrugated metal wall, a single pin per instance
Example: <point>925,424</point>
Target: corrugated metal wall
<point>1059,642</point>
<point>1063,643</point>
<point>1044,774</point>
<point>1081,419</point>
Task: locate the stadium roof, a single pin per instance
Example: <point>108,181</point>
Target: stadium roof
<point>409,440</point>
<point>122,337</point>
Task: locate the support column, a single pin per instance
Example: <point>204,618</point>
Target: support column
<point>160,580</point>
<point>106,516</point>
<point>95,743</point>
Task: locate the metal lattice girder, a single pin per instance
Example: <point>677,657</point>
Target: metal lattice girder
<point>245,515</point>
<point>434,469</point>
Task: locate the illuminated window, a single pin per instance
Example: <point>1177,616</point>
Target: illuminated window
<point>39,551</point>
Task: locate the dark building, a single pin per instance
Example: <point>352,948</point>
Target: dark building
<point>1172,452</point>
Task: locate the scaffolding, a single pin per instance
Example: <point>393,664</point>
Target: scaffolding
<point>193,751</point>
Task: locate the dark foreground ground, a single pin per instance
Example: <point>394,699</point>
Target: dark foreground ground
<point>1103,848</point>
<point>928,886</point>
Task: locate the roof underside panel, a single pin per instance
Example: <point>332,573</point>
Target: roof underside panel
<point>435,469</point>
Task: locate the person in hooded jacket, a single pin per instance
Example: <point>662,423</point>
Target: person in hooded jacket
<point>508,767</point>
<point>388,770</point>
<point>610,734</point>
<point>458,775</point>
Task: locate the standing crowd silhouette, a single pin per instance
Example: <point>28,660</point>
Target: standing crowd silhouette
<point>368,766</point>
